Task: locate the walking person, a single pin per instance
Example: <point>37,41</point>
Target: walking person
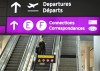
<point>42,46</point>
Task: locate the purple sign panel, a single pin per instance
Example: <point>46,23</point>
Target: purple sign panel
<point>53,25</point>
<point>2,29</point>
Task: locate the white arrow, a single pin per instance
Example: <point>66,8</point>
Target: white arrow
<point>16,4</point>
<point>14,23</point>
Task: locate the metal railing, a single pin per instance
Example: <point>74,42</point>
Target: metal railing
<point>23,62</point>
<point>8,51</point>
<point>34,55</point>
<point>57,53</point>
<point>53,50</point>
<point>27,59</point>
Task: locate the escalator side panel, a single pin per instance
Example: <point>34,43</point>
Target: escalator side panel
<point>17,54</point>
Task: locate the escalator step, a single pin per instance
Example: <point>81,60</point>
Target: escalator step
<point>10,70</point>
<point>13,62</point>
<point>19,47</point>
<point>14,55</point>
<point>16,59</point>
<point>17,53</point>
<point>12,65</point>
<point>21,44</point>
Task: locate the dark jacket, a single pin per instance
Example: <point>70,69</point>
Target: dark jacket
<point>38,50</point>
<point>42,45</point>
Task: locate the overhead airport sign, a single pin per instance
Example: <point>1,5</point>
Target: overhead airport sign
<point>52,8</point>
<point>53,25</point>
<point>49,17</point>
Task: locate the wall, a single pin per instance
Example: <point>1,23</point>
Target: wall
<point>1,40</point>
<point>83,45</point>
<point>4,39</point>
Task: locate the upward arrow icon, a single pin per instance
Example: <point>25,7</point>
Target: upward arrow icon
<point>14,23</point>
<point>15,4</point>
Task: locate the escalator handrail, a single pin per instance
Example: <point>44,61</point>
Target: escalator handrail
<point>34,53</point>
<point>53,50</point>
<point>7,53</point>
<point>30,58</point>
<point>57,51</point>
<point>28,50</point>
<point>34,62</point>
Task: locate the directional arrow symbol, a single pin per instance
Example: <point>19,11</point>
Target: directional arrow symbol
<point>15,4</point>
<point>14,23</point>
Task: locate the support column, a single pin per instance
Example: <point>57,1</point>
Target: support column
<point>97,53</point>
<point>79,59</point>
<point>87,59</point>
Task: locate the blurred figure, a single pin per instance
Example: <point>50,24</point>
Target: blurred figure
<point>38,50</point>
<point>42,46</point>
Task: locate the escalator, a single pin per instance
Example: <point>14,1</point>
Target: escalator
<point>17,54</point>
<point>49,39</point>
<point>68,54</point>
